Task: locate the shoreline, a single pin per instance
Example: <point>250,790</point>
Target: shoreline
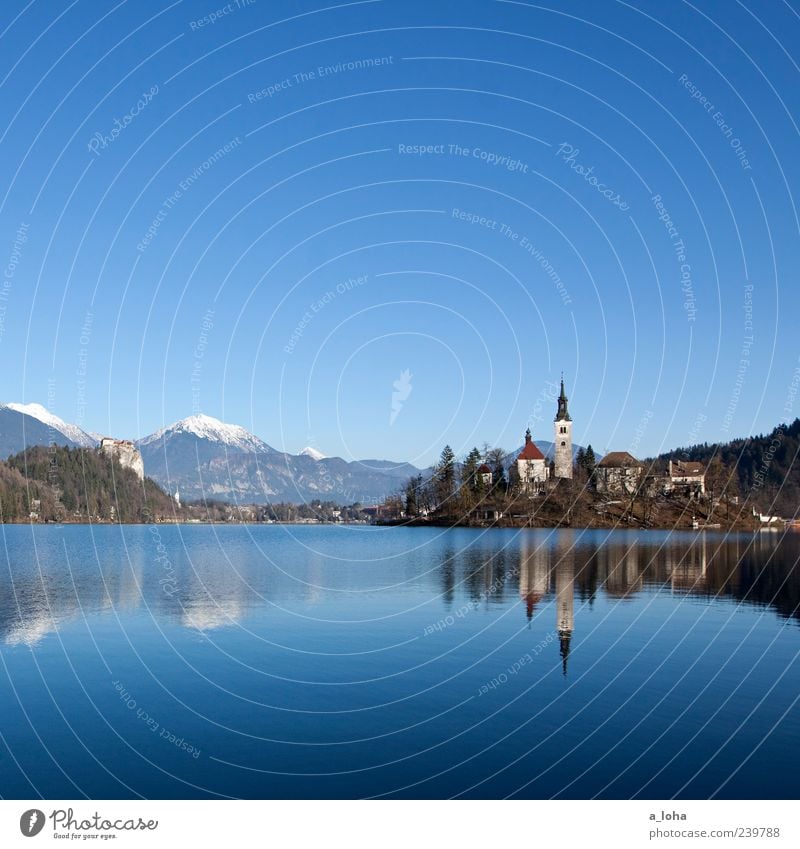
<point>714,528</point>
<point>722,527</point>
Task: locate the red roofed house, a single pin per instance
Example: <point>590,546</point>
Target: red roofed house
<point>485,475</point>
<point>532,467</point>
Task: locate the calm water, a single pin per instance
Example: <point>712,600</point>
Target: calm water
<point>347,662</point>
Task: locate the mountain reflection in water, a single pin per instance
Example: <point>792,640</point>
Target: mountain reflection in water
<point>203,584</point>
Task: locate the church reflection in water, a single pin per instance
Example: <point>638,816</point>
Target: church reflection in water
<point>758,569</point>
<point>565,602</point>
<point>206,589</point>
<point>539,563</point>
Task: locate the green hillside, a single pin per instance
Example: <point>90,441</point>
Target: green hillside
<point>76,484</point>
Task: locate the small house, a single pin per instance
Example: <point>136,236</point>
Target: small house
<point>688,476</point>
<point>618,473</point>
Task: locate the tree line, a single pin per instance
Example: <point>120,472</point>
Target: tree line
<point>484,481</point>
<point>760,471</point>
<point>60,484</point>
<point>56,484</point>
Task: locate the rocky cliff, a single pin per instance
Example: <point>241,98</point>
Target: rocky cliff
<point>124,452</point>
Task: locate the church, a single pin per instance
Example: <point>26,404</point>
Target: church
<point>532,469</point>
<point>562,437</point>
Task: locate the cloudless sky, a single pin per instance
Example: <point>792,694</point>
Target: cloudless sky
<point>259,241</point>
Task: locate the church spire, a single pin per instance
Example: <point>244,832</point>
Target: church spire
<point>563,413</point>
<point>563,639</point>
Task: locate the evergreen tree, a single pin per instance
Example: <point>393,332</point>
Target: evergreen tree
<point>445,478</point>
<point>415,496</point>
<point>762,469</point>
<point>470,479</point>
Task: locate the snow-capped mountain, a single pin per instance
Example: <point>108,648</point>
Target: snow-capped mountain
<point>201,426</point>
<point>203,457</point>
<point>72,432</point>
<point>19,431</point>
<point>194,454</point>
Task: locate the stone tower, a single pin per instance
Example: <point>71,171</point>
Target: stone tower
<point>562,429</point>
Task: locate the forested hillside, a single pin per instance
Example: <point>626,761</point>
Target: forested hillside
<point>764,469</point>
<point>76,484</point>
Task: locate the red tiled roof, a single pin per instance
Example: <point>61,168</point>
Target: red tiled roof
<point>530,452</point>
<point>531,600</point>
<point>484,470</point>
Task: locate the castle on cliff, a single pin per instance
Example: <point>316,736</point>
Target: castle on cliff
<point>124,452</point>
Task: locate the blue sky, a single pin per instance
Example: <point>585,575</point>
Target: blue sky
<point>604,189</point>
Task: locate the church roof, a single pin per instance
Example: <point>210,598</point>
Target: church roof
<point>563,413</point>
<point>483,469</point>
<point>531,600</point>
<point>530,451</point>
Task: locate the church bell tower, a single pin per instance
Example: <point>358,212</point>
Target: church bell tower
<point>562,430</point>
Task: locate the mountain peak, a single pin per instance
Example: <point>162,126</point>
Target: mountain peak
<point>33,409</point>
<point>207,427</point>
<point>42,414</point>
<point>202,422</point>
<point>308,451</point>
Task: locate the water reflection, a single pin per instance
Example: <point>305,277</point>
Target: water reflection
<point>621,567</point>
<point>534,572</point>
<point>205,583</point>
<point>565,596</point>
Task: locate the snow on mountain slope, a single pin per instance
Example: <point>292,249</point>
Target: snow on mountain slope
<point>42,414</point>
<point>206,458</point>
<point>207,427</point>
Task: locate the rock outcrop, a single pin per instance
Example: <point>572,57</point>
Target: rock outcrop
<point>125,453</point>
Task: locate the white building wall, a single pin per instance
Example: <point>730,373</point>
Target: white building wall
<point>562,436</point>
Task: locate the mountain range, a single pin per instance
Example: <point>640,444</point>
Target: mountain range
<point>201,457</point>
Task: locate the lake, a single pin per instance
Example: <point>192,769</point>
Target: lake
<point>278,661</point>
